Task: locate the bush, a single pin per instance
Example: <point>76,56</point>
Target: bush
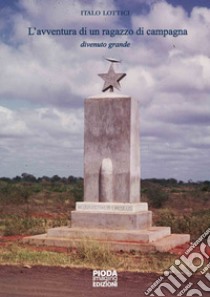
<point>194,224</point>
<point>156,195</point>
<point>78,192</point>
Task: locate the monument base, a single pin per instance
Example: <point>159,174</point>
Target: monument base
<point>150,240</point>
<point>121,226</point>
<point>110,215</point>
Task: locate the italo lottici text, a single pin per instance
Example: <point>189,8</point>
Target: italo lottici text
<point>105,12</point>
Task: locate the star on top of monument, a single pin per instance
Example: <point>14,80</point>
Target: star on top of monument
<point>111,78</point>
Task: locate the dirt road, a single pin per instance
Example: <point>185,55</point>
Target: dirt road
<point>66,282</point>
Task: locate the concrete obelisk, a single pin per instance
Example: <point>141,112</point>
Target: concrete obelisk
<point>111,152</point>
<point>112,159</point>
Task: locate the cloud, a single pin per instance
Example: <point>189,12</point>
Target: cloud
<point>65,12</point>
<point>11,125</point>
<point>169,76</point>
<point>39,139</point>
<point>171,82</point>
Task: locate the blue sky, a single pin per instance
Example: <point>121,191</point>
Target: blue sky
<point>44,80</point>
<point>189,4</point>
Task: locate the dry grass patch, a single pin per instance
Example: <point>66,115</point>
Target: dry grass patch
<point>88,254</point>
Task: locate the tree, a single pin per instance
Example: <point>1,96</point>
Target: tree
<point>156,195</point>
<point>28,177</point>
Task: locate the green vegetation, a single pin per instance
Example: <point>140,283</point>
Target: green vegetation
<point>194,223</point>
<point>157,195</point>
<point>18,255</point>
<point>185,207</point>
<point>17,225</point>
<point>30,205</point>
<point>20,189</point>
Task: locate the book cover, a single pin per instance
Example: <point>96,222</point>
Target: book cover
<point>51,53</point>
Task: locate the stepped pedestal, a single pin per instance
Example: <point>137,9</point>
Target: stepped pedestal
<point>121,226</point>
<point>112,212</point>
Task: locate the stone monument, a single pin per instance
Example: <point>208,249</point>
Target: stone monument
<point>111,161</point>
<point>112,211</point>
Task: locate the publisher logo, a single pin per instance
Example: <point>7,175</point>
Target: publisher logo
<point>177,279</point>
<point>105,278</point>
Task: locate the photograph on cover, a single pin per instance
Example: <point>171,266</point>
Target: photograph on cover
<point>104,127</point>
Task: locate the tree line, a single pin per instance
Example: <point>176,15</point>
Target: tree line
<point>167,182</point>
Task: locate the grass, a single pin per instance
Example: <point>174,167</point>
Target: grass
<point>87,255</point>
<point>93,254</point>
<point>18,225</point>
<point>17,255</point>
